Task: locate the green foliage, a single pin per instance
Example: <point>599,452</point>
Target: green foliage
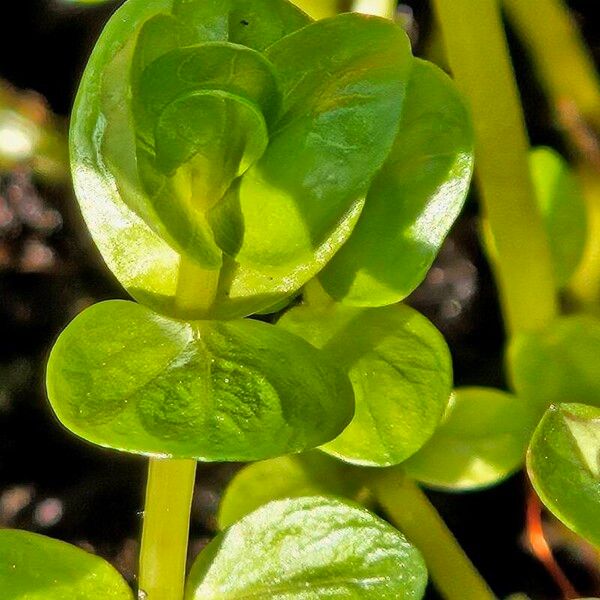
<point>309,548</point>
<point>563,209</point>
<point>413,201</point>
<point>308,474</point>
<point>34,567</point>
<point>563,463</point>
<point>558,364</point>
<point>482,440</point>
<point>124,377</point>
<point>400,369</point>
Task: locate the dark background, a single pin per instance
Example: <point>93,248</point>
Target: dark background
<point>53,483</point>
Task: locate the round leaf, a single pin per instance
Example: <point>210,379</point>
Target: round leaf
<point>558,364</point>
<point>309,548</point>
<point>563,208</point>
<point>124,377</point>
<point>413,201</point>
<point>400,369</point>
<point>482,440</point>
<point>40,568</point>
<point>564,466</point>
<point>307,474</point>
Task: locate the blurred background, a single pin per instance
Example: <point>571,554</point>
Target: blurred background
<point>52,483</point>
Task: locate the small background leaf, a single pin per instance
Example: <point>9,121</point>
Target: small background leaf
<point>35,567</point>
<point>309,548</point>
<point>564,465</point>
<point>124,377</point>
<point>400,369</point>
<point>307,474</point>
<point>559,364</point>
<point>482,440</point>
<point>563,209</point>
<point>413,201</point>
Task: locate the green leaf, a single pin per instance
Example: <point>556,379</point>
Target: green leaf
<point>34,567</point>
<point>563,209</point>
<point>307,474</point>
<point>558,364</point>
<point>124,377</point>
<point>122,221</point>
<point>343,81</point>
<point>482,440</point>
<point>309,548</point>
<point>413,201</point>
<point>320,9</point>
<point>400,369</point>
<point>564,466</point>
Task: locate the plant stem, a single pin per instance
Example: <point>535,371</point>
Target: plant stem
<point>565,66</point>
<point>170,485</point>
<point>409,509</point>
<point>380,8</point>
<point>166,529</point>
<point>478,54</point>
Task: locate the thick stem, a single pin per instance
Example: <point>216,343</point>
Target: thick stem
<point>170,485</point>
<point>478,55</point>
<point>409,509</point>
<point>166,529</point>
<point>564,64</point>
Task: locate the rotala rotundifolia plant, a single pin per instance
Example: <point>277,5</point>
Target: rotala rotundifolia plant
<point>229,156</point>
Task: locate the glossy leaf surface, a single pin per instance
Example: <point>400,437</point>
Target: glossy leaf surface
<point>564,465</point>
<point>35,567</point>
<point>482,440</point>
<point>196,120</point>
<point>307,474</point>
<point>563,208</point>
<point>559,364</point>
<point>124,377</point>
<point>305,549</point>
<point>413,201</point>
<point>400,369</point>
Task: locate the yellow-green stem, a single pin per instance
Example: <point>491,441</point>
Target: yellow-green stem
<point>478,55</point>
<point>170,485</point>
<point>166,529</point>
<point>381,8</point>
<point>562,60</point>
<point>409,509</point>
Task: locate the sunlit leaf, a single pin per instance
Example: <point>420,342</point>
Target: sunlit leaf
<point>413,201</point>
<point>564,466</point>
<point>482,440</point>
<point>124,377</point>
<point>34,567</point>
<point>307,474</point>
<point>309,548</point>
<point>400,369</point>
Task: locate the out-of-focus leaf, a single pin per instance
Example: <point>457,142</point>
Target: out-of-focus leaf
<point>563,209</point>
<point>400,369</point>
<point>564,466</point>
<point>308,548</point>
<point>34,567</point>
<point>124,377</point>
<point>559,364</point>
<point>413,201</point>
<point>307,474</point>
<point>482,440</point>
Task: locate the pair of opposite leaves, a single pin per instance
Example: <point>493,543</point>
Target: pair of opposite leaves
<point>269,148</point>
<point>299,549</point>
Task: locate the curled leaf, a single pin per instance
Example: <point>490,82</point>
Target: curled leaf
<point>564,466</point>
